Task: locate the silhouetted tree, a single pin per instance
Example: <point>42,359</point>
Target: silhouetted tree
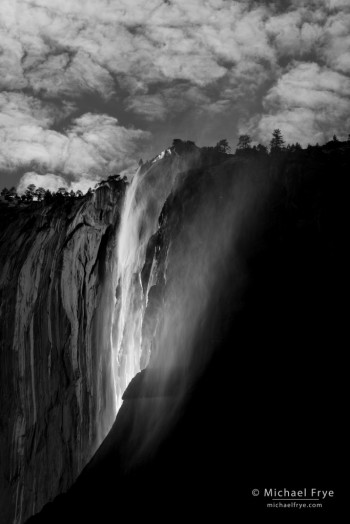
<point>261,149</point>
<point>183,146</point>
<point>292,148</point>
<point>335,138</point>
<point>277,142</point>
<point>40,193</point>
<point>79,193</point>
<point>30,191</point>
<point>48,196</point>
<point>4,191</point>
<point>244,143</point>
<point>223,146</point>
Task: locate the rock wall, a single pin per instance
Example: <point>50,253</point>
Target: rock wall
<point>232,305</point>
<point>57,405</point>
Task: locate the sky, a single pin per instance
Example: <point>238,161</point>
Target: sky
<point>88,87</point>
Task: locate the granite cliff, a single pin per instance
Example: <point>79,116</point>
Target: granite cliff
<point>56,263</point>
<point>242,320</point>
<point>209,270</point>
<point>72,306</point>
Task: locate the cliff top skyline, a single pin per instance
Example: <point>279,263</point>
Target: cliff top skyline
<point>87,88</point>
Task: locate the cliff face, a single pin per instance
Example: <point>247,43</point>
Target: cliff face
<point>56,265</point>
<point>72,308</point>
<point>240,277</point>
<point>89,296</point>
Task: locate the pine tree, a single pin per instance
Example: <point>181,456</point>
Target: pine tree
<point>40,193</point>
<point>223,146</point>
<point>30,191</point>
<point>48,196</point>
<point>261,149</point>
<point>244,142</point>
<point>277,142</point>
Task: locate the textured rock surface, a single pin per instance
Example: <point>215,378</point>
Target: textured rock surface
<point>263,410</point>
<point>209,245</point>
<point>55,293</point>
<point>72,308</point>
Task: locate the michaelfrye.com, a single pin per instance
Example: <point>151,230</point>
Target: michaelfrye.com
<point>305,498</point>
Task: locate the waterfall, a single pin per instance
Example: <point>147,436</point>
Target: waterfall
<point>143,203</point>
<point>169,323</point>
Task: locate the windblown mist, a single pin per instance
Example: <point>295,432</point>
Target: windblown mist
<point>178,251</point>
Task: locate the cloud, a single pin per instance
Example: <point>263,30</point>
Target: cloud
<point>308,103</point>
<point>64,75</point>
<point>151,61</point>
<point>175,100</point>
<point>329,5</point>
<point>152,107</point>
<point>66,52</point>
<point>295,33</point>
<point>92,143</point>
<point>53,182</point>
<point>76,47</point>
<point>337,49</point>
<point>337,4</point>
<point>18,109</point>
<point>47,181</point>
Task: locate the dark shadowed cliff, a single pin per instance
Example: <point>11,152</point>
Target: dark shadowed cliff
<point>256,400</point>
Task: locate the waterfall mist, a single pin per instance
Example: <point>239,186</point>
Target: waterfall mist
<point>144,200</point>
<point>184,298</point>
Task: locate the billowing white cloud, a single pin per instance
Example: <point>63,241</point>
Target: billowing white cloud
<point>67,48</point>
<point>64,75</point>
<point>295,33</point>
<point>18,109</point>
<point>176,100</point>
<point>92,144</point>
<point>309,103</point>
<point>156,59</point>
<point>47,181</point>
<point>337,37</point>
<point>53,182</point>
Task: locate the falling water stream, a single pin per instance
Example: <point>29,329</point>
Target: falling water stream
<point>143,203</point>
<point>201,256</point>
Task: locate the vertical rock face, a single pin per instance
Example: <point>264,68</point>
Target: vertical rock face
<point>82,291</point>
<point>72,307</point>
<point>214,280</point>
<point>57,402</point>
